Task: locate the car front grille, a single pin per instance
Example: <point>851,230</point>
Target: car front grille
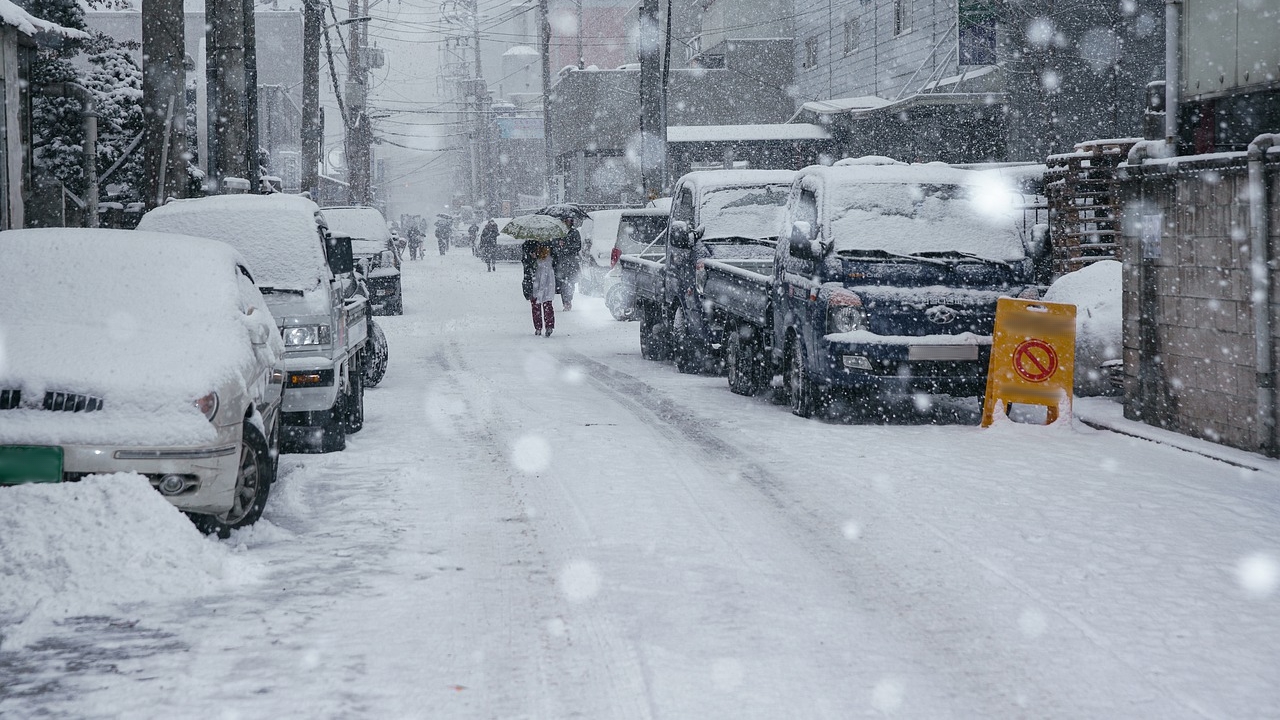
<point>10,399</point>
<point>71,402</point>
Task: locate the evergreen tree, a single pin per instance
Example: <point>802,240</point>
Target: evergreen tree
<point>116,82</point>
<point>56,121</point>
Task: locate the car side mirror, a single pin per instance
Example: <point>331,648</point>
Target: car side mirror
<point>800,242</point>
<point>679,235</point>
<point>259,334</point>
<point>339,252</point>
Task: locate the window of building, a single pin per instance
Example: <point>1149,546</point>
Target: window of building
<point>901,16</point>
<point>977,32</point>
<point>811,53</point>
<point>850,35</point>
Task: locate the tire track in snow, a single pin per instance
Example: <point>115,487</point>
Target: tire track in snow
<point>488,427</point>
<point>685,428</point>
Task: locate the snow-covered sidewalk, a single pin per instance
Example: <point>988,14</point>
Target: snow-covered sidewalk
<point>549,528</point>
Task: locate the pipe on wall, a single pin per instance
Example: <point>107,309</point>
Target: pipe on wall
<point>1260,273</point>
<point>1172,68</point>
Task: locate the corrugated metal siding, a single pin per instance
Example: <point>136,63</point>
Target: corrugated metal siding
<point>882,63</point>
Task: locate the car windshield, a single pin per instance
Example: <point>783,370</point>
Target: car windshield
<point>897,219</point>
<point>745,212</point>
<point>362,223</point>
<point>637,231</point>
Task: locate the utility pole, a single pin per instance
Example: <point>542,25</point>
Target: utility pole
<point>358,136</point>
<point>653,133</point>
<point>251,140</point>
<point>544,33</point>
<point>164,100</point>
<point>228,91</point>
<point>484,192</point>
<point>312,21</point>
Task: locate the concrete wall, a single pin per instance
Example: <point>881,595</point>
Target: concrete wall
<point>1189,341</point>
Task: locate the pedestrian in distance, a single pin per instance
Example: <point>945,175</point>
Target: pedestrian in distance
<point>488,245</point>
<point>568,263</point>
<point>472,229</point>
<point>539,284</point>
<point>415,243</point>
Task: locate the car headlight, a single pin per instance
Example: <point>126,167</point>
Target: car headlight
<point>296,335</point>
<point>207,404</point>
<point>845,312</point>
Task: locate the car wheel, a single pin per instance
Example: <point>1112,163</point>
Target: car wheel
<point>333,433</point>
<point>801,390</point>
<point>355,396</point>
<point>689,355</point>
<point>619,302</point>
<point>376,355</point>
<point>742,350</point>
<point>253,484</point>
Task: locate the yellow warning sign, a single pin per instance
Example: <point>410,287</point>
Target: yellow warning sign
<point>1033,357</point>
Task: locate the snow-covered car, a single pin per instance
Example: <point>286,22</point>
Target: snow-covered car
<point>374,249</point>
<point>125,351</point>
<point>307,276</point>
<point>508,248</point>
<point>607,235</point>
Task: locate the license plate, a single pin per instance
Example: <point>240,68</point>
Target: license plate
<point>942,352</point>
<point>30,463</point>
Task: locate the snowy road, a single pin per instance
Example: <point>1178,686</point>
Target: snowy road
<point>556,528</point>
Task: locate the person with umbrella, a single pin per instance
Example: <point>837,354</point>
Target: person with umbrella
<point>567,251</point>
<point>539,280</point>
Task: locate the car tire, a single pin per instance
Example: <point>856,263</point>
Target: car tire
<point>254,478</point>
<point>333,433</point>
<point>743,359</point>
<point>376,356</point>
<point>802,392</point>
<point>619,302</point>
<point>355,396</point>
<point>654,339</point>
<point>690,357</point>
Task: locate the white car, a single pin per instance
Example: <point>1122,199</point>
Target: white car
<point>124,351</point>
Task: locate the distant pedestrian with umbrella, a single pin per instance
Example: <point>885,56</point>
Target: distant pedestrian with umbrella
<point>488,245</point>
<point>568,264</point>
<point>538,232</point>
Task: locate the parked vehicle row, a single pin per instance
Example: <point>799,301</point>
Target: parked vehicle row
<point>376,255</point>
<point>191,351</point>
<point>885,279</point>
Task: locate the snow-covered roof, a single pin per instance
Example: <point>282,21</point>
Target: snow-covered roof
<point>916,208</point>
<point>357,222</point>
<point>839,105</point>
<point>729,133</point>
<point>28,24</point>
<point>276,233</point>
<point>705,180</point>
<point>953,81</point>
<point>520,50</point>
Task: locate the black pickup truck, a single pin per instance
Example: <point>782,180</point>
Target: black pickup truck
<point>730,215</point>
<point>887,280</point>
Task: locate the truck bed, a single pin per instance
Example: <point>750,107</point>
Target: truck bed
<point>739,288</point>
<point>643,275</point>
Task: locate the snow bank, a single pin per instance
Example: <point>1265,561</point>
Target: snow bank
<point>93,547</point>
<point>1095,291</point>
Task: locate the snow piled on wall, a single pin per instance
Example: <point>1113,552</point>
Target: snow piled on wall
<point>78,549</point>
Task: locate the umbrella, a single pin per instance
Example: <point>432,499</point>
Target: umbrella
<point>535,227</point>
<point>564,211</point>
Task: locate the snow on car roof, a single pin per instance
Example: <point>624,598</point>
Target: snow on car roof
<point>145,321</point>
<point>357,222</point>
<point>276,233</point>
<point>704,180</point>
<point>911,209</point>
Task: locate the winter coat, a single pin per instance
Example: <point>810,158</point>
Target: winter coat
<point>528,260</point>
<point>568,256</point>
<point>489,236</point>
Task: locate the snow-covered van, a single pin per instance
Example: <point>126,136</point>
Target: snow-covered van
<point>886,278</point>
<point>306,276</point>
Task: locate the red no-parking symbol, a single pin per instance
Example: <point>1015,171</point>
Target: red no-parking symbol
<point>1035,360</point>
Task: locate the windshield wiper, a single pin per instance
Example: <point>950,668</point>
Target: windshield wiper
<point>878,253</point>
<point>289,291</point>
<point>971,256</point>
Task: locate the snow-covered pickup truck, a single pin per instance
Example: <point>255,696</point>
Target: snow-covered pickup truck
<point>305,275</point>
<point>887,279</point>
<point>732,215</point>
